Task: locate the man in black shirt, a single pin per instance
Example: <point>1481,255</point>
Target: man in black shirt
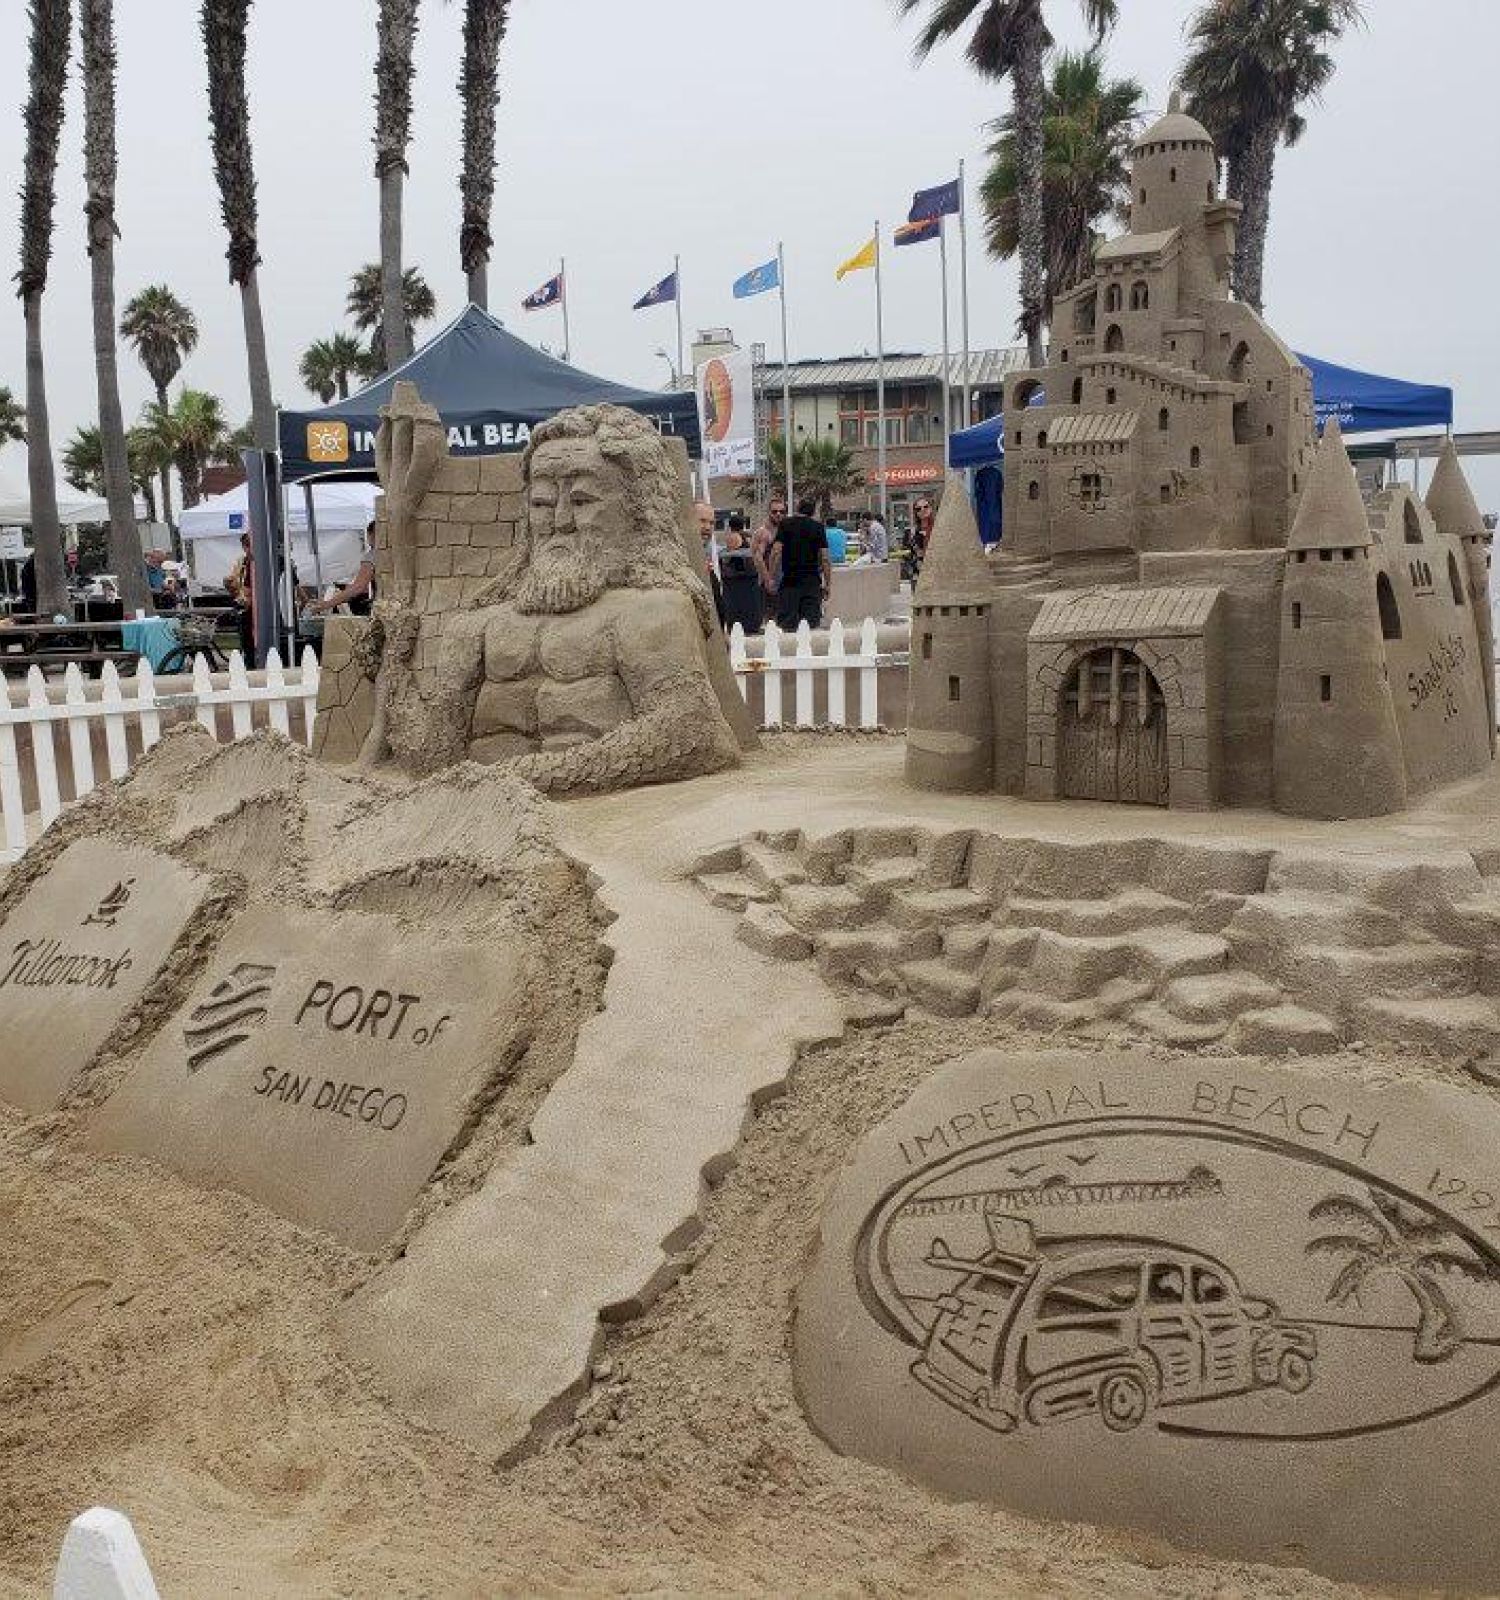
<point>802,569</point>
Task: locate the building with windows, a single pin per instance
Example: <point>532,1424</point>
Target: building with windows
<point>838,399</point>
<point>1193,605</point>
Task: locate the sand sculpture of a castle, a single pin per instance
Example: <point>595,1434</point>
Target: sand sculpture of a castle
<point>1192,605</point>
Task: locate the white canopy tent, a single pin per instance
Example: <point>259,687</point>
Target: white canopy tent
<point>72,507</point>
<point>211,530</point>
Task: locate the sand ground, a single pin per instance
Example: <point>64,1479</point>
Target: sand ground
<point>165,1349</point>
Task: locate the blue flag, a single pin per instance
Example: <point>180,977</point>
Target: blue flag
<point>929,204</point>
<point>659,295</point>
<point>758,280</point>
<point>550,294</point>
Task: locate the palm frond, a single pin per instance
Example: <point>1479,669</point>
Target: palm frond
<point>1460,1265</point>
<point>395,41</point>
<point>1339,1208</point>
<point>1339,1244</point>
<point>51,28</point>
<point>479,87</point>
<point>224,25</point>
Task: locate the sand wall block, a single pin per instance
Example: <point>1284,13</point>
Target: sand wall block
<point>1170,1296</point>
<point>83,944</point>
<point>102,1559</point>
<point>322,1064</point>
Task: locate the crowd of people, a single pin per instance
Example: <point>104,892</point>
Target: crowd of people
<point>783,570</point>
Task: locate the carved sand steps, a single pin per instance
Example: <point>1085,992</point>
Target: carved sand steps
<point>1190,944</point>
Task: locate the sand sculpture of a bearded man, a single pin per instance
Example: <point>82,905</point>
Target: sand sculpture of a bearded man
<point>585,666</point>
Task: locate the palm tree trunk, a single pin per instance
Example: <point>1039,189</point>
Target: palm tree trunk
<point>1029,90</point>
<point>46,530</point>
<point>1258,165</point>
<point>262,406</point>
<point>166,481</point>
<point>124,540</point>
<point>342,381</point>
<point>190,469</point>
<point>392,301</point>
<point>479,285</point>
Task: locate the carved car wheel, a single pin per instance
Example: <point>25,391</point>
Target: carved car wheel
<point>1124,1401</point>
<point>1294,1372</point>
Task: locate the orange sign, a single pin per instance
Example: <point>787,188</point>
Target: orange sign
<point>328,441</point>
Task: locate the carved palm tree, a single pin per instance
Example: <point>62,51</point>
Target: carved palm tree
<point>12,418</point>
<point>1010,40</point>
<point>366,308</point>
<point>51,27</point>
<point>163,332</point>
<point>96,30</point>
<point>1251,66</point>
<point>479,84</point>
<point>1384,1240</point>
<point>396,37</point>
<point>328,364</point>
<point>1089,125</point>
<point>223,24</point>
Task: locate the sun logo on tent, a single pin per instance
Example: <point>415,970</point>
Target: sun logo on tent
<point>328,441</point>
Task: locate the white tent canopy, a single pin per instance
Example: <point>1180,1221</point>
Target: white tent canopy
<point>72,507</point>
<point>211,530</point>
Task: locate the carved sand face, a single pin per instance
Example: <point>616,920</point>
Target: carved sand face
<point>576,502</point>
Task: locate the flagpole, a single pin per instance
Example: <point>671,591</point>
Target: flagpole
<point>677,282</point>
<point>562,274</point>
<point>947,366</point>
<point>786,382</point>
<point>885,493</point>
<point>963,252</point>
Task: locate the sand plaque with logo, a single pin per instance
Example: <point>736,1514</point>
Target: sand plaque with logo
<point>322,1064</point>
<point>76,953</point>
<point>1255,1310</point>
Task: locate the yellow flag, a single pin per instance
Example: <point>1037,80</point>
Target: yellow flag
<point>858,262</point>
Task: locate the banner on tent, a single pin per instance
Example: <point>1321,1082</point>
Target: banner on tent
<point>726,415</point>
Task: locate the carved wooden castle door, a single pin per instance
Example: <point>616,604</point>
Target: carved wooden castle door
<point>1112,741</point>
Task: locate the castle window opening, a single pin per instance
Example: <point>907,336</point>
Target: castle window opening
<point>1270,430</point>
<point>1078,391</point>
<point>953,688</point>
<point>1085,310</point>
<point>1325,555</point>
<point>1033,490</point>
<point>1455,581</point>
<point>1239,361</point>
<point>1166,494</point>
<point>1196,458</point>
<point>1114,340</point>
<point>1091,488</point>
<point>1041,439</point>
<point>1109,397</point>
<point>1242,423</point>
<point>1140,297</point>
<point>1296,613</point>
<point>1390,613</point>
<point>1411,523</point>
<point>1163,419</point>
<point>927,647</point>
<point>1112,297</point>
<point>1325,688</point>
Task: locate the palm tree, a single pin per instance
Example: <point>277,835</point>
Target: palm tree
<point>96,29</point>
<point>83,465</point>
<point>366,308</point>
<point>327,365</point>
<point>150,463</point>
<point>1089,126</point>
<point>193,429</point>
<point>163,332</point>
<point>396,36</point>
<point>1251,66</point>
<point>51,27</point>
<point>478,83</point>
<point>825,469</point>
<point>1386,1241</point>
<point>1009,40</point>
<point>12,418</point>
<point>223,24</point>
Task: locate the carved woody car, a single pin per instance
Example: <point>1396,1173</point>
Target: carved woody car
<point>1117,1327</point>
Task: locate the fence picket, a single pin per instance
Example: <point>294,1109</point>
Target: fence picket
<point>311,673</point>
<point>836,710</point>
<point>203,692</point>
<point>112,704</point>
<point>869,677</point>
<point>804,681</point>
<point>771,716</point>
<point>80,745</point>
<point>239,696</point>
<point>276,681</point>
<point>12,809</point>
<point>43,752</point>
<point>145,694</point>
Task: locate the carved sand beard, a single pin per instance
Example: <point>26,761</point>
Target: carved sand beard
<point>562,578</point>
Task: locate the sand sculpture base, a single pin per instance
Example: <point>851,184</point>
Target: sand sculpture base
<point>298,1340</point>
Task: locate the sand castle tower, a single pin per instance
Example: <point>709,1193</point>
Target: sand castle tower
<point>1337,745</point>
<point>1453,508</point>
<point>1174,172</point>
<point>950,737</point>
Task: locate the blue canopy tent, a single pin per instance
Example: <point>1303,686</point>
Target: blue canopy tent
<point>490,388</point>
<point>1364,402</point>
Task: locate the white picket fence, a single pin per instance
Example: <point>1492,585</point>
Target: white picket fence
<point>125,706</point>
<point>838,665</point>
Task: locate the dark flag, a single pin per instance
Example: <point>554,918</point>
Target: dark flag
<point>661,294</point>
<point>929,204</point>
<point>550,294</point>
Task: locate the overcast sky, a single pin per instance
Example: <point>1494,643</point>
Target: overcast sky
<point>712,128</point>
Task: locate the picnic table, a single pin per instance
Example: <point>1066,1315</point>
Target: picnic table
<point>59,644</point>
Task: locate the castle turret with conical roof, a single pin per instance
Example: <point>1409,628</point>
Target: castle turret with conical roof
<point>1337,743</point>
<point>1457,516</point>
<point>950,736</point>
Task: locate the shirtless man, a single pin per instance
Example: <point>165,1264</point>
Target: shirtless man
<point>586,667</point>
